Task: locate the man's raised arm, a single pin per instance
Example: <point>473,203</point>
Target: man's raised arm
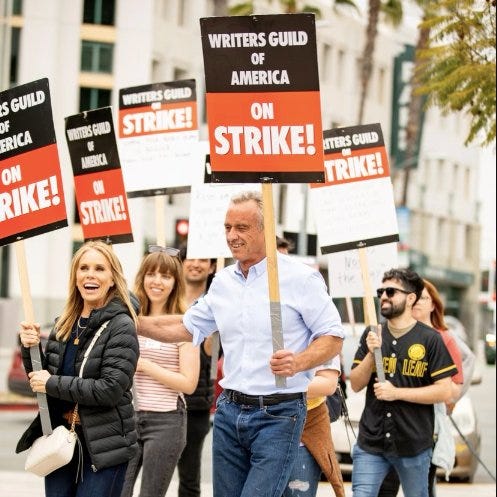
<point>165,328</point>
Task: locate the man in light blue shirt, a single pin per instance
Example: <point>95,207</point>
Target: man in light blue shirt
<point>257,426</point>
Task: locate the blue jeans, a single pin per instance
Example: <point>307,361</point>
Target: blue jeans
<point>370,469</point>
<point>161,439</point>
<point>305,476</point>
<point>254,448</point>
<point>106,482</point>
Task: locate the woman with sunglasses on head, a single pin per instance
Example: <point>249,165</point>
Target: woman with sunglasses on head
<point>165,372</point>
<point>98,305</point>
<point>429,310</point>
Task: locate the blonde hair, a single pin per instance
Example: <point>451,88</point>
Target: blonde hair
<point>164,264</point>
<point>74,305</point>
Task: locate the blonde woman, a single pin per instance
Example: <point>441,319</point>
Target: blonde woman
<point>97,294</point>
<point>165,372</point>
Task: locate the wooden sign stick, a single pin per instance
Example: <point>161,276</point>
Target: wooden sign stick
<point>160,220</point>
<point>34,351</point>
<point>272,272</point>
<point>215,335</point>
<point>371,310</point>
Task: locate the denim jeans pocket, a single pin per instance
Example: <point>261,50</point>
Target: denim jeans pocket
<point>285,410</point>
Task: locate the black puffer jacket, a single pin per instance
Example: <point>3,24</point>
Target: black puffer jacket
<point>104,392</point>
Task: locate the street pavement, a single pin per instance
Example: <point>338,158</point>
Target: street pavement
<point>21,484</point>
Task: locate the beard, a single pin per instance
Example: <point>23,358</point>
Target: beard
<point>394,310</point>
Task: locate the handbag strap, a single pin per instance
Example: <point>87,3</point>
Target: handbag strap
<point>85,358</point>
<point>92,343</point>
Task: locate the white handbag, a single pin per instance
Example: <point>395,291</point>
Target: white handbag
<point>52,451</point>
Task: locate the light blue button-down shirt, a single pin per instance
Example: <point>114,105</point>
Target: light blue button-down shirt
<point>239,308</point>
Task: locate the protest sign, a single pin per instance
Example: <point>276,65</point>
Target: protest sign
<point>159,139</point>
<point>98,181</point>
<point>208,206</point>
<point>262,96</point>
<point>31,192</point>
<point>355,207</point>
<point>344,269</point>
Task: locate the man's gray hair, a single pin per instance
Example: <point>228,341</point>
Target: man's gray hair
<point>247,196</point>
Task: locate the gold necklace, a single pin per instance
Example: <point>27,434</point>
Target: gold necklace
<point>79,331</point>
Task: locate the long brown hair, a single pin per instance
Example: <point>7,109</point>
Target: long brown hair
<point>74,304</point>
<point>165,264</point>
<point>437,314</point>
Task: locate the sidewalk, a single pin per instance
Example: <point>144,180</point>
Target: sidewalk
<point>21,484</point>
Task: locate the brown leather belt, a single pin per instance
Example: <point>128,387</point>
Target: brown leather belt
<point>261,400</point>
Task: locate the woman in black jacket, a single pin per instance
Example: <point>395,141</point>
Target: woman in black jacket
<point>105,423</point>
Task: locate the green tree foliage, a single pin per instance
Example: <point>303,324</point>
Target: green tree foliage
<point>456,71</point>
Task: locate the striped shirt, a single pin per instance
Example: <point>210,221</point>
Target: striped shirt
<point>150,394</point>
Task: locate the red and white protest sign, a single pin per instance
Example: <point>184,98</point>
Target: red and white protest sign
<point>159,138</point>
<point>31,192</point>
<point>262,95</point>
<point>98,181</point>
<point>355,208</point>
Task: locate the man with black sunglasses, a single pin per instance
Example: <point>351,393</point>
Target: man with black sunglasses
<point>397,424</point>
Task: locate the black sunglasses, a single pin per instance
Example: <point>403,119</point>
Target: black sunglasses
<point>173,252</point>
<point>390,290</point>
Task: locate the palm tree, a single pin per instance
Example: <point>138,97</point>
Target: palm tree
<point>393,13</point>
<point>288,6</point>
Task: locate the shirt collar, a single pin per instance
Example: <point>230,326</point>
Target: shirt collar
<point>258,268</point>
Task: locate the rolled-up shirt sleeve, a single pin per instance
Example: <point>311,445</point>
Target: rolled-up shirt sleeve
<point>199,321</point>
<point>318,310</point>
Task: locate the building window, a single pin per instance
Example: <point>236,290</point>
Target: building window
<point>340,68</point>
<point>179,74</point>
<point>99,12</point>
<point>14,55</point>
<point>326,61</point>
<point>17,7</point>
<point>96,57</point>
<point>93,98</point>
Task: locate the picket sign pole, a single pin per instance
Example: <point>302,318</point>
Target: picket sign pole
<point>215,335</point>
<point>272,272</point>
<point>34,351</point>
<point>371,310</point>
<point>160,220</point>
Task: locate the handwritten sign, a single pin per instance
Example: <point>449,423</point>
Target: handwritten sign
<point>208,205</point>
<point>344,270</point>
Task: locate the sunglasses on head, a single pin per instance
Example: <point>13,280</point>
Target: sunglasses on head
<point>173,252</point>
<point>390,291</point>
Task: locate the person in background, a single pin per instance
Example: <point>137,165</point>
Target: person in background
<point>429,310</point>
<point>397,424</point>
<point>283,245</point>
<point>164,374</point>
<point>255,458</point>
<point>316,452</point>
<point>198,274</point>
<point>105,424</point>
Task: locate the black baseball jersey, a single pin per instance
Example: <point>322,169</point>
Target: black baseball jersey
<point>417,359</point>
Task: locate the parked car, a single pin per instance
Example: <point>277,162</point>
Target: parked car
<point>345,431</point>
<point>17,379</point>
<point>490,348</point>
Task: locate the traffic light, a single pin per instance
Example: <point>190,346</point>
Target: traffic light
<point>181,232</point>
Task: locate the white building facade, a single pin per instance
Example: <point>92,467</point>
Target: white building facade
<point>89,49</point>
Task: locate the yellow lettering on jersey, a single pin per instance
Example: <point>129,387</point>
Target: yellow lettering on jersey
<point>389,364</point>
<point>414,368</point>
